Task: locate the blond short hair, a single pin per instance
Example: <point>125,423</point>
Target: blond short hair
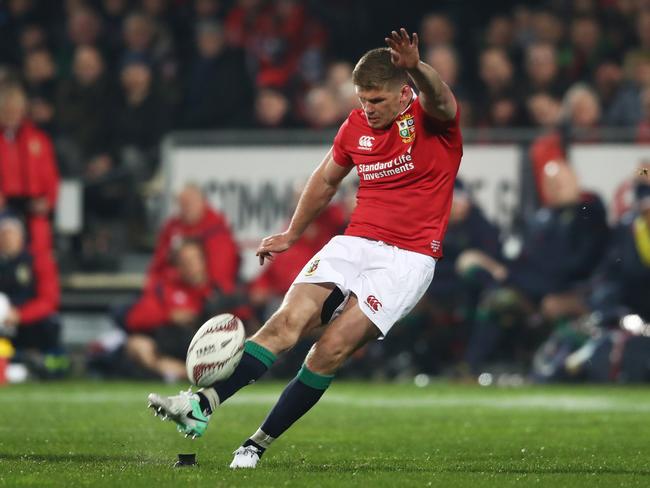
<point>375,70</point>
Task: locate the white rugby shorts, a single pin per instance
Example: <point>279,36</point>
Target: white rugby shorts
<point>388,281</point>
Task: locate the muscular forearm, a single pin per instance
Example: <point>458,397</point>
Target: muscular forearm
<point>435,96</point>
<point>317,194</point>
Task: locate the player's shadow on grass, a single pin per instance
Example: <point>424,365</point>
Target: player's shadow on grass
<point>410,467</point>
<point>75,457</point>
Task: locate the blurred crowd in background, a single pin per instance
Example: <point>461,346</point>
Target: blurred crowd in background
<point>88,89</point>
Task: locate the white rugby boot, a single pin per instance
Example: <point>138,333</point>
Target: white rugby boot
<point>246,457</point>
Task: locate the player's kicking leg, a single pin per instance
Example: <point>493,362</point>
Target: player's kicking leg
<point>300,311</point>
<point>347,333</point>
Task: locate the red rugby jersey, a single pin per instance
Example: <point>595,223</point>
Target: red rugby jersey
<point>406,177</point>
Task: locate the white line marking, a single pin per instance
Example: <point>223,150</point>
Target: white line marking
<point>549,402</point>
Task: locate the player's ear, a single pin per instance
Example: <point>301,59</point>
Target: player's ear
<point>405,93</point>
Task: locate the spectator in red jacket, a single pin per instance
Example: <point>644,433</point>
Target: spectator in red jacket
<point>163,321</point>
<point>197,220</point>
<point>29,179</point>
<point>29,284</point>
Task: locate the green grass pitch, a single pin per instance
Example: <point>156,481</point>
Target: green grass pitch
<point>101,434</point>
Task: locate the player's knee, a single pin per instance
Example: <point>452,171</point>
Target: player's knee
<point>328,355</point>
<point>282,331</point>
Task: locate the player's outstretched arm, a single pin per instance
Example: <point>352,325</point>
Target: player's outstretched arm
<point>318,192</point>
<point>436,97</point>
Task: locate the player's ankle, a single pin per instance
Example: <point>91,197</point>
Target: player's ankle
<point>208,400</point>
<point>250,442</point>
<point>260,440</point>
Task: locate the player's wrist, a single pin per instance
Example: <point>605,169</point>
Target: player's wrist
<point>416,67</point>
<point>292,235</point>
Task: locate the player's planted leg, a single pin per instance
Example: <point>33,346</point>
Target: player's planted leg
<point>346,334</point>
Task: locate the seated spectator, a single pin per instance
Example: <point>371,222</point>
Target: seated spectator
<point>83,109</point>
<point>450,302</point>
<point>640,55</point>
<point>15,16</point>
<point>497,102</point>
<point>272,110</point>
<point>113,13</point>
<point>586,48</point>
<point>30,282</point>
<point>285,45</point>
<point>197,220</point>
<point>218,88</point>
<point>548,27</point>
<point>468,229</point>
<point>561,243</point>
<point>39,72</point>
<point>544,110</point>
<point>322,109</point>
<point>619,99</point>
<point>110,207</point>
<point>143,37</point>
<point>611,344</point>
<point>622,282</point>
<point>502,112</point>
<point>163,321</point>
<point>29,179</point>
<point>339,80</point>
<point>436,30</point>
<point>83,28</point>
<point>496,72</point>
<point>542,70</point>
<point>499,32</point>
<point>582,108</point>
<point>240,21</point>
<point>140,119</point>
<point>444,60</point>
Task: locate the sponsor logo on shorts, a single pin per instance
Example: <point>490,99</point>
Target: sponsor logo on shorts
<point>373,303</point>
<point>365,142</point>
<point>312,267</point>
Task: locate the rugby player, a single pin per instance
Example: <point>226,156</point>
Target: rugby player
<point>406,149</point>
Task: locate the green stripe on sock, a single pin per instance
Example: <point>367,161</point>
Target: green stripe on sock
<point>260,352</point>
<point>315,380</point>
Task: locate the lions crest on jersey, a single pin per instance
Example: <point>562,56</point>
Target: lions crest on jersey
<point>406,128</point>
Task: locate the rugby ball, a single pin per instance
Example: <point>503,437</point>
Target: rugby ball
<point>215,350</point>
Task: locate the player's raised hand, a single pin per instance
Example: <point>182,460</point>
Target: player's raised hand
<point>274,243</point>
<point>403,49</point>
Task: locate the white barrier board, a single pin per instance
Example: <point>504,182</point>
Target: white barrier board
<point>254,186</point>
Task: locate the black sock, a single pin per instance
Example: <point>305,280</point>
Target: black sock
<point>255,361</point>
<point>301,394</point>
<point>251,442</point>
<point>204,403</point>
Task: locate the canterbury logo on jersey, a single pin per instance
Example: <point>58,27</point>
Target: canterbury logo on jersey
<point>373,303</point>
<point>365,142</point>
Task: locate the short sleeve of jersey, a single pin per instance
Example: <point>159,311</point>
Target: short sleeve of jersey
<point>447,129</point>
<point>341,155</point>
